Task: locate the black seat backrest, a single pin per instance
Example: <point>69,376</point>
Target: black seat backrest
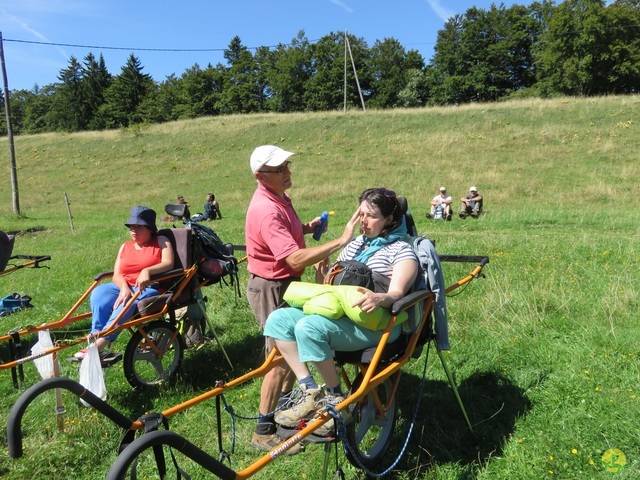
<point>6,247</point>
<point>182,241</point>
<point>411,224</point>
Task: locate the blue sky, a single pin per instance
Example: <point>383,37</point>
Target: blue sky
<point>199,24</point>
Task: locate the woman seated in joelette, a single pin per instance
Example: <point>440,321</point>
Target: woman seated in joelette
<point>145,255</point>
<point>304,338</point>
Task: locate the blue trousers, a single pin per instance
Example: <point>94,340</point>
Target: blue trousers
<point>317,336</point>
<point>102,299</point>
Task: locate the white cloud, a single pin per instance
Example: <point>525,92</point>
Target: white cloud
<point>343,5</point>
<point>24,26</point>
<point>441,11</point>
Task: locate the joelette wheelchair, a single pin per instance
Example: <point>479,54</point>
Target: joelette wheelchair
<point>371,399</point>
<point>156,348</point>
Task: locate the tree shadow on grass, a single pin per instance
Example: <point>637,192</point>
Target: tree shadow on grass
<point>441,435</point>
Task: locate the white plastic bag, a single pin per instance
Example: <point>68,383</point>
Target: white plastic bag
<point>91,374</point>
<point>44,364</point>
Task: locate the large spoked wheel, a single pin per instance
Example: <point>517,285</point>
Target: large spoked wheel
<point>369,435</point>
<point>153,355</point>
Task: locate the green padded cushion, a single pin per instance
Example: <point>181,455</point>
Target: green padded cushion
<point>335,301</point>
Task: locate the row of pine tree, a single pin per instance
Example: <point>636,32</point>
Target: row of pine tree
<point>577,47</point>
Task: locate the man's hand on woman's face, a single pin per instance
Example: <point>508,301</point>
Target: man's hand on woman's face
<point>353,222</point>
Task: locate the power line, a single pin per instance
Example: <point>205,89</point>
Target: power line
<point>141,49</point>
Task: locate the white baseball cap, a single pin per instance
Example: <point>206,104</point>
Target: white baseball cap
<point>268,155</point>
<point>442,189</point>
<point>473,189</point>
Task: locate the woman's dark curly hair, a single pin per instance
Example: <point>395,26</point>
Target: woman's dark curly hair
<point>387,203</point>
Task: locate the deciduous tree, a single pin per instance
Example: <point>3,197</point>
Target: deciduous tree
<point>589,49</point>
<point>390,69</point>
<point>485,55</point>
<point>287,75</point>
<point>325,88</point>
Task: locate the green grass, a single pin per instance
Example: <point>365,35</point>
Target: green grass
<point>545,348</point>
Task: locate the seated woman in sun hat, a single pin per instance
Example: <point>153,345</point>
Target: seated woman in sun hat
<point>146,254</point>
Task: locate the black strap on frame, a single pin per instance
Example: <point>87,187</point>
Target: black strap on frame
<point>151,422</point>
<point>15,351</point>
<point>223,454</point>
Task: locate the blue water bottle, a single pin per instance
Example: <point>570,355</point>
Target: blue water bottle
<point>324,218</point>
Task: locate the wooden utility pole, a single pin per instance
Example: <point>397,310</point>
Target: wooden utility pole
<point>345,71</point>
<point>12,152</point>
<point>355,73</point>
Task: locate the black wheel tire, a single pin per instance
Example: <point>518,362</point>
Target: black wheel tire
<point>154,361</point>
<point>370,433</point>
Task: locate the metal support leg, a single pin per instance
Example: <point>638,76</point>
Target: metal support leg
<point>60,410</point>
<point>325,466</point>
<point>204,313</point>
<point>455,389</point>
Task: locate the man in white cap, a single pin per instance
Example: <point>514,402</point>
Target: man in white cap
<point>471,204</point>
<point>277,256</point>
<point>441,203</point>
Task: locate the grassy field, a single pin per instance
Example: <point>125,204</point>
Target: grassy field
<point>545,348</point>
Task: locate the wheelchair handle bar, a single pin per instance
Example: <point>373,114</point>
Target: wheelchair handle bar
<point>119,468</point>
<point>14,431</point>
<point>35,258</point>
<point>481,259</point>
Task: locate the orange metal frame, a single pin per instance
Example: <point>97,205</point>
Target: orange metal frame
<point>373,373</point>
<point>372,377</point>
<point>71,316</point>
<point>32,261</point>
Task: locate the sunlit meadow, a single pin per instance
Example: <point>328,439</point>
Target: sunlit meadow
<point>544,347</point>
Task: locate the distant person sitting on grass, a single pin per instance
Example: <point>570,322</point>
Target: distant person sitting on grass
<point>211,210</point>
<point>441,205</point>
<point>187,213</point>
<point>471,204</point>
<point>214,206</point>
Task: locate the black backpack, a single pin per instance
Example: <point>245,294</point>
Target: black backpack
<point>353,272</point>
<point>350,272</point>
<point>215,259</point>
